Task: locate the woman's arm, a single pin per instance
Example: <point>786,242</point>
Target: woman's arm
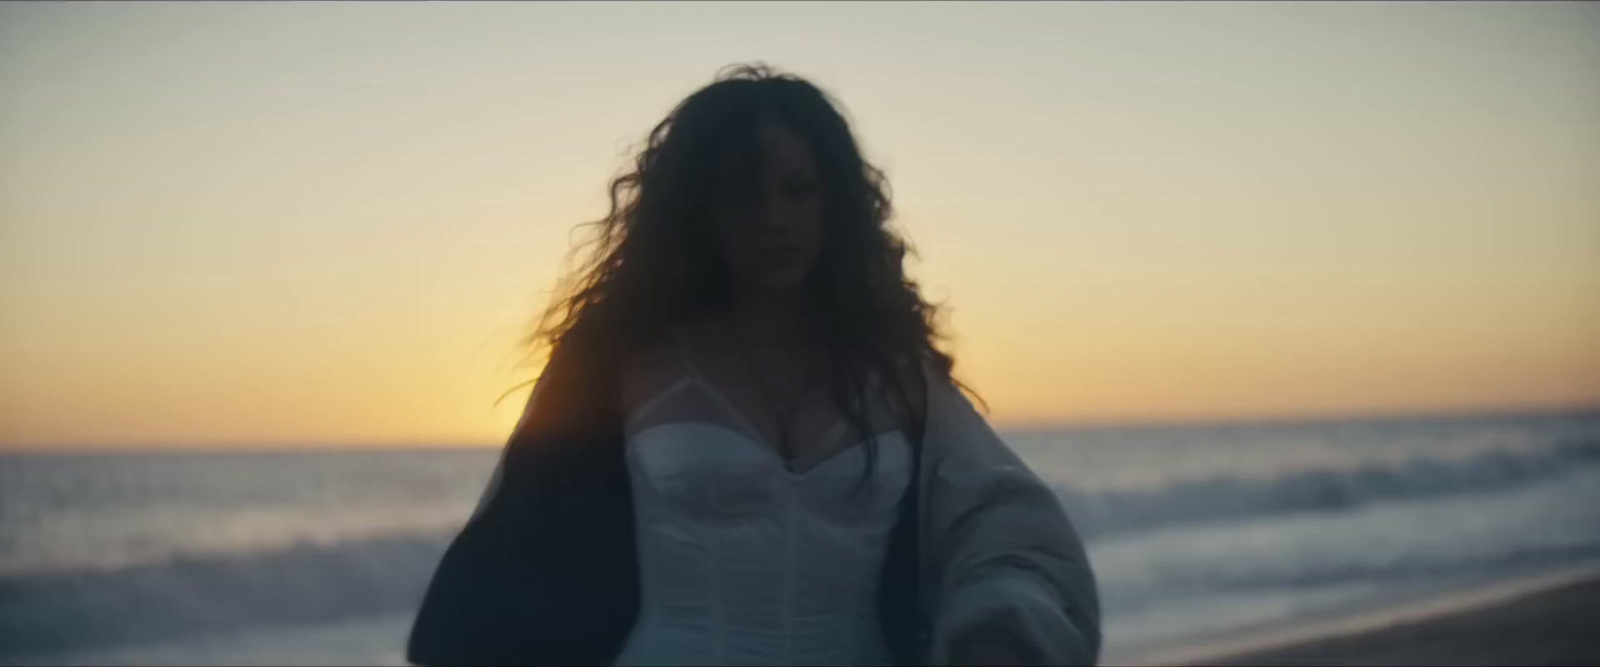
<point>1011,582</point>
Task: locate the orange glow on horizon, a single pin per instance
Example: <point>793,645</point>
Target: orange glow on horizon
<point>309,225</point>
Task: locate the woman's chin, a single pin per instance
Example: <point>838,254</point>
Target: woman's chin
<point>780,281</point>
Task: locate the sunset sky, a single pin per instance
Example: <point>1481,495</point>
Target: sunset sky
<point>309,224</point>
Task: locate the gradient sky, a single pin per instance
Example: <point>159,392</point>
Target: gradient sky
<point>314,223</point>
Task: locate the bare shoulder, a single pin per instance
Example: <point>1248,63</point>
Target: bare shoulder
<point>645,369</point>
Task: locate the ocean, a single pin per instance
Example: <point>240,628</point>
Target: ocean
<point>1195,533</point>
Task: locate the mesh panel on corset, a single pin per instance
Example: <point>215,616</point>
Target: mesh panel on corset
<point>689,396</point>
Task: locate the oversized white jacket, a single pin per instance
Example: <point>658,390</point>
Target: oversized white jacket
<point>996,546</point>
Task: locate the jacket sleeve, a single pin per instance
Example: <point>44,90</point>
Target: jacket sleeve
<point>497,478</point>
<point>543,572</point>
<point>1005,559</point>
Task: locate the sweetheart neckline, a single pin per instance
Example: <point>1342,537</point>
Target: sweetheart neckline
<point>765,450</point>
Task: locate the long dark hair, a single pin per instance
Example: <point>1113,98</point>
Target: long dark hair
<point>653,263</point>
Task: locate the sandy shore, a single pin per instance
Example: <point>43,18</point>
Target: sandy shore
<point>1552,627</point>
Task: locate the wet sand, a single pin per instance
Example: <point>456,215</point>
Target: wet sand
<point>1553,627</point>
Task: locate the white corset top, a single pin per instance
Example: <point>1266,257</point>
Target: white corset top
<point>745,561</point>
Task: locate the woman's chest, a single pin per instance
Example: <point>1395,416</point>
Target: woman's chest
<point>708,474</point>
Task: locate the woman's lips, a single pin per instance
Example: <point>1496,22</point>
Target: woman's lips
<point>781,254</point>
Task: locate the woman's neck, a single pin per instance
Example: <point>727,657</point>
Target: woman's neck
<point>770,319</point>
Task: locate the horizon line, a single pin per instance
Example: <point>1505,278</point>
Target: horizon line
<point>1019,427</point>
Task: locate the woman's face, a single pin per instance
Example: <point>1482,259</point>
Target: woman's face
<point>769,224</point>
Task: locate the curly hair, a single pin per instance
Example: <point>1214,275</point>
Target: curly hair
<point>653,262</point>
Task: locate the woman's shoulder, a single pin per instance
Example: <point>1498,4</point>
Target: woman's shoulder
<point>647,365</point>
<point>908,386</point>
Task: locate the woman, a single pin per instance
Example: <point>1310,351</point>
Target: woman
<point>745,447</point>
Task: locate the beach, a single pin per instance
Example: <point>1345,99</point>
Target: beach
<point>1548,627</point>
